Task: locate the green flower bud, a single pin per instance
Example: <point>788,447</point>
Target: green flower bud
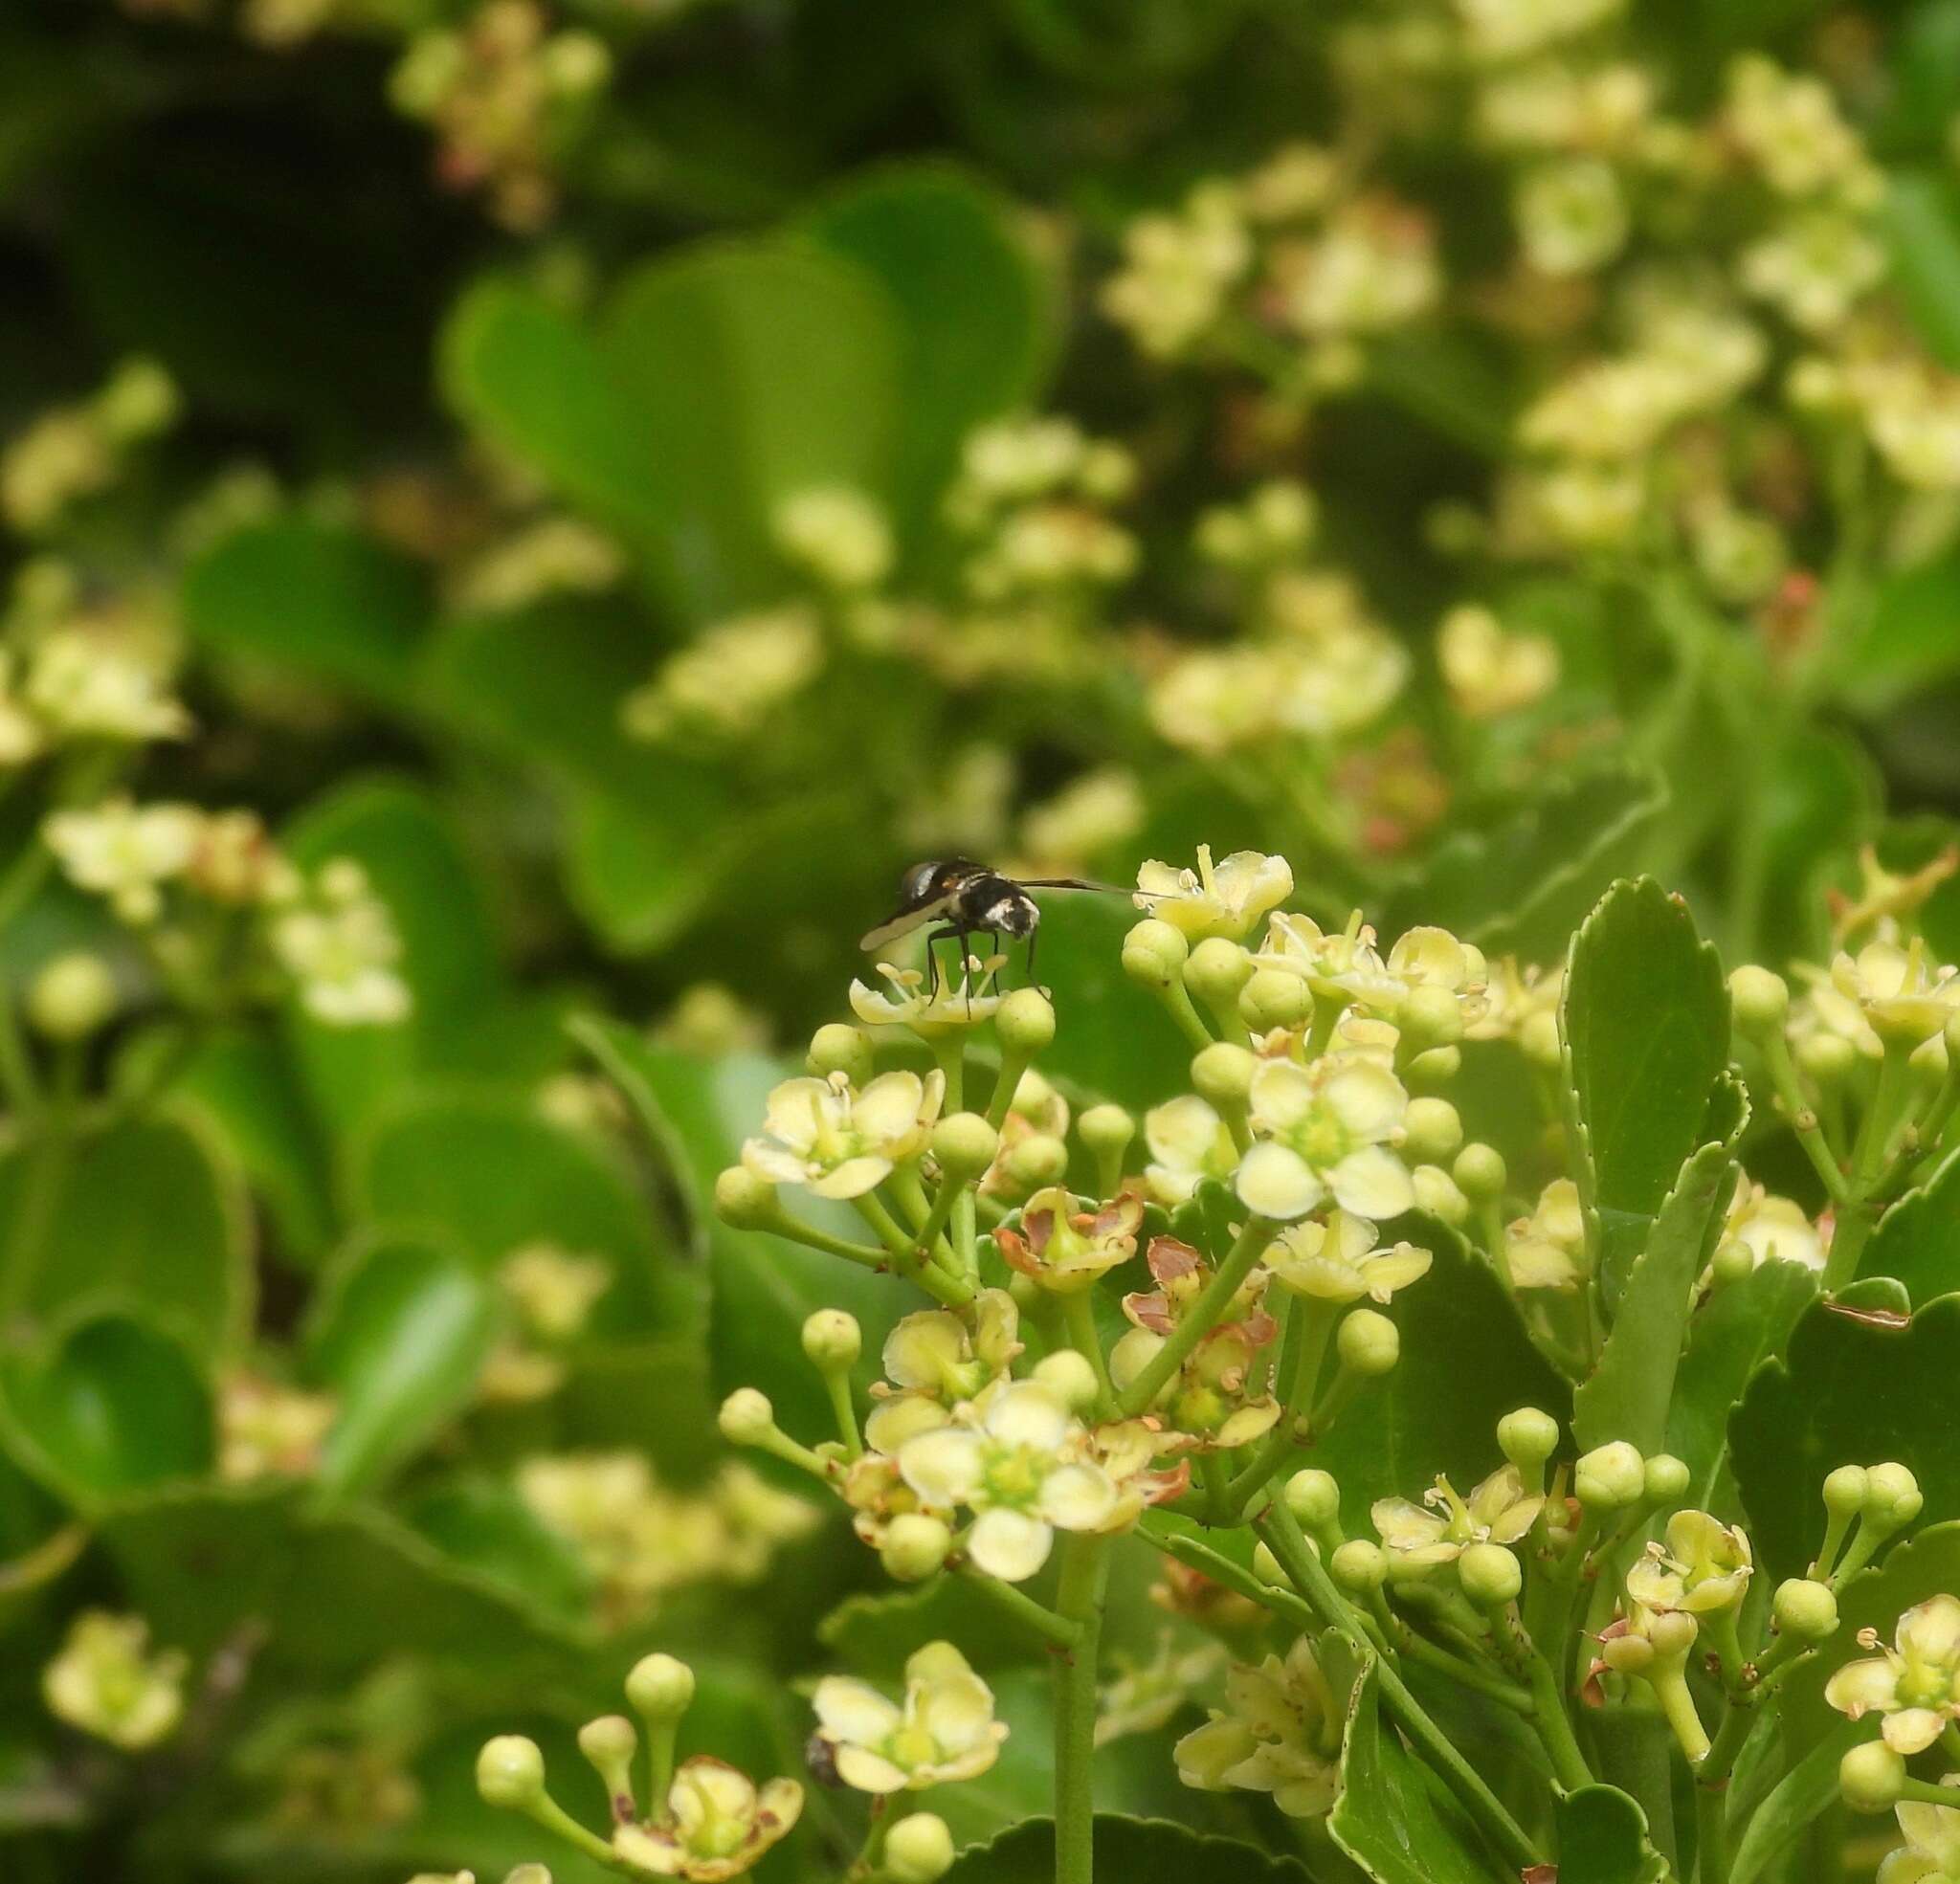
<point>1313,1497</point>
<point>1871,1777</point>
<point>1273,998</point>
<point>1431,1130</point>
<point>1805,1610</point>
<point>1479,1169</point>
<point>660,1688</point>
<point>610,1742</point>
<point>1154,953</point>
<point>1025,1021</point>
<point>1359,1565</point>
<point>841,1047</point>
<point>1070,1377</point>
<point>1034,1162</point>
<point>1732,1261</point>
<point>511,1772</point>
<point>744,1201</point>
<point>1436,1067</point>
<point>1892,1497</point>
<point>1845,1491</point>
<point>1265,1566</point>
<point>1369,1343</point>
<point>1429,1017</point>
<point>71,997</point>
<point>914,1547</point>
<point>528,1874</point>
<point>919,1849</point>
<point>1489,1573</point>
<point>1107,1130</point>
<point>1673,1632</point>
<point>1667,1479</point>
<point>1610,1477</point>
<point>833,1339</point>
<point>1828,1059</point>
<point>1216,969</point>
<point>1436,1192</point>
<point>1628,1655</point>
<point>1760,1001</point>
<point>1527,1437</point>
<point>1222,1074</point>
<point>1539,1042</point>
<point>964,1143</point>
<point>747,1418</point>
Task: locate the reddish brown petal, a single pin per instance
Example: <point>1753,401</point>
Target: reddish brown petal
<point>1170,1259</point>
<point>1150,1310</point>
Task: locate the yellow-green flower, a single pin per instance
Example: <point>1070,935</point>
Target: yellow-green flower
<point>1931,1853</point>
<point>1065,1250</point>
<point>717,1824</point>
<point>1228,899</point>
<point>1915,1684</point>
<point>1188,1142</point>
<point>1324,1130</point>
<point>1548,1248</point>
<point>839,1140</point>
<point>1280,1732</point>
<point>105,1681</point>
<point>1705,1566</point>
<point>1496,1512</point>
<point>1340,1261</point>
<point>942,1730</point>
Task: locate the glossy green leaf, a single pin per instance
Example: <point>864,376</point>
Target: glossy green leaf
<point>399,1332</point>
<point>1602,1838</point>
<point>1922,217</point>
<point>1628,1394</point>
<point>1918,1240</point>
<point>697,1114</point>
<point>151,1209</point>
<point>1731,1334</point>
<point>1434,1414</point>
<point>1806,1790</point>
<point>716,383</point>
<point>1135,1850</point>
<point>312,598</point>
<point>110,1405</point>
<point>1645,1024</point>
<point>1391,1818</point>
<point>1857,1385</point>
<point>489,1174</point>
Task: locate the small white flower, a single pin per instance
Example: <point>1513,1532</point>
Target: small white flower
<point>838,534</point>
<point>943,1730</point>
<point>126,852</point>
<point>1705,1566</point>
<point>1280,1732</point>
<point>1323,1131</point>
<point>843,1141</point>
<point>1548,1248</point>
<point>1496,1512</point>
<point>106,1681</point>
<point>1339,1261</point>
<point>1229,899</point>
<point>90,686</point>
<point>717,1824</point>
<point>1490,671</point>
<point>341,947</point>
<point>1914,1684</point>
<point>1188,1142</point>
<point>1771,1229</point>
<point>1931,1853</point>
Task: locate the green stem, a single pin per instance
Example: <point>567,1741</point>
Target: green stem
<point>1711,1832</point>
<point>662,1740</point>
<point>1803,1119</point>
<point>1084,1581</point>
<point>1178,1003</point>
<point>1312,1327</point>
<point>1875,1130</point>
<point>836,1382</point>
<point>1078,1317</point>
<point>548,1813</point>
<point>1855,1224</point>
<point>18,1078</point>
<point>1221,1569</point>
<point>1013,1601</point>
<point>1549,1715</point>
<point>1201,1317</point>
<point>49,1158</point>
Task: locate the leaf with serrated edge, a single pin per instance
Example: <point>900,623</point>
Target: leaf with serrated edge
<point>1136,1851</point>
<point>1918,1240</point>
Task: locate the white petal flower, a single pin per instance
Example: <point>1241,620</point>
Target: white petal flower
<point>841,1143</point>
<point>1323,1128</point>
<point>1229,899</point>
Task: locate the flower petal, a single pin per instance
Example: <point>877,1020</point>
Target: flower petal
<point>1373,1182</point>
<point>944,1467</point>
<point>1281,1095</point>
<point>848,1709</point>
<point>869,1772</point>
<point>1278,1182</point>
<point>853,1178</point>
<point>1010,1544</point>
<point>1077,1497</point>
<point>889,1107</point>
<point>1366,1096</point>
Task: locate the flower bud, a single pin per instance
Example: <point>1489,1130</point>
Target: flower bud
<point>1480,1170</point>
<point>1436,1067</point>
<point>1760,1001</point>
<point>744,1201</point>
<point>1265,1566</point>
<point>1369,1343</point>
<point>918,1849</point>
<point>1539,1042</point>
<point>915,1546</point>
<point>1313,1497</point>
<point>1222,1074</point>
<point>1871,1777</point>
<point>1106,1131</point>
<point>747,1418</point>
<point>1489,1573</point>
<point>1673,1632</point>
<point>1828,1059</point>
<point>528,1874</point>
<point>1436,1192</point>
<point>964,1143</point>
<point>1154,953</point>
<point>1216,969</point>
<point>1732,1261</point>
<point>610,1743</point>
<point>1628,1655</point>
<point>833,1339</point>
<point>1845,1491</point>
<point>1805,1610</point>
<point>1667,1479</point>
<point>511,1772</point>
<point>1025,1021</point>
<point>1273,998</point>
<point>1359,1565</point>
<point>1070,1377</point>
<point>1527,1437</point>
<point>1431,1130</point>
<point>1892,1498</point>
<point>1034,1162</point>
<point>840,1048</point>
<point>660,1688</point>
<point>71,997</point>
<point>1611,1476</point>
<point>1429,1017</point>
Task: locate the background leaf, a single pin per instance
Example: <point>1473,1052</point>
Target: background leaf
<point>1916,1241</point>
<point>1137,1850</point>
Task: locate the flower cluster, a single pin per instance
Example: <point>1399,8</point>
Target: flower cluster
<point>108,1681</point>
<point>77,452</point>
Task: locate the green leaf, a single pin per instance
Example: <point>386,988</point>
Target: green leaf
<point>979,327</point>
<point>1738,1328</point>
<point>1809,1788</point>
<point>1628,1394</point>
<point>111,1404</point>
<point>1821,801</point>
<point>1520,884</point>
<point>486,1173</point>
<point>1389,1818</point>
<point>872,1635</point>
<point>697,1113</point>
<point>488,1528</point>
<point>399,1331</point>
<point>1909,643</point>
<point>1923,222</point>
<point>314,599</point>
<point>1136,1851</point>
<point>1434,1414</point>
<point>652,1395</point>
<point>150,1211</point>
<point>1602,1838</point>
<point>1645,1023</point>
<point>717,382</point>
<point>1859,1385</point>
<point>1918,1240</point>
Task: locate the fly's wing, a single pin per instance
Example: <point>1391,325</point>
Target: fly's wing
<point>1083,884</point>
<point>901,923</point>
